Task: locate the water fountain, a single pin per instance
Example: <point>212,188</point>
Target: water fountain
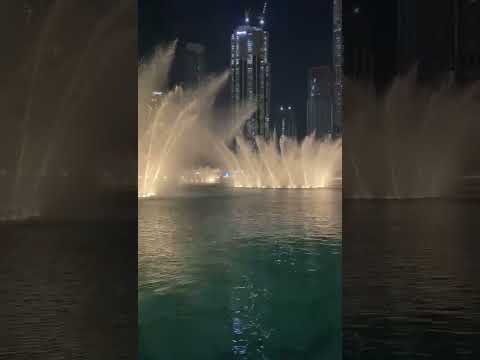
<point>203,176</point>
<point>179,127</point>
<point>413,142</point>
<point>54,121</point>
<point>287,163</point>
<point>164,131</point>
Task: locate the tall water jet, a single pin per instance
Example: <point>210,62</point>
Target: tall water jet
<point>165,131</point>
<point>180,128</point>
<point>287,163</point>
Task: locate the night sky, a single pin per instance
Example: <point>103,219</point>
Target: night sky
<point>300,37</point>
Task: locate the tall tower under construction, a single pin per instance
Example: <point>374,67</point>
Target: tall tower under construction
<point>250,74</point>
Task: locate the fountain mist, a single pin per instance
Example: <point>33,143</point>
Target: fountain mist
<point>287,164</point>
<point>412,142</point>
<point>179,130</point>
<point>55,116</point>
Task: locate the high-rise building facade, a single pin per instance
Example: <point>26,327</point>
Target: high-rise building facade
<point>337,66</point>
<point>189,65</point>
<point>321,104</point>
<point>195,62</point>
<point>250,75</point>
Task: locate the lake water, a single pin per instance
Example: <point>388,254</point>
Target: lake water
<point>68,290</point>
<point>410,279</point>
<point>240,274</point>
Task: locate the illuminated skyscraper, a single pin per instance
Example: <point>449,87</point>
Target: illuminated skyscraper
<point>250,71</point>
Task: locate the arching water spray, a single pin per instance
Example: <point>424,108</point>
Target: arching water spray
<point>179,129</point>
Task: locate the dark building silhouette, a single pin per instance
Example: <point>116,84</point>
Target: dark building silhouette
<point>189,66</point>
<point>195,62</point>
<point>320,102</point>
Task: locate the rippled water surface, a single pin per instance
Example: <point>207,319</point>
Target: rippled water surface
<point>66,290</point>
<point>240,274</point>
<point>411,279</point>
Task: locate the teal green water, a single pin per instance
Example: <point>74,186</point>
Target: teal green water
<point>240,274</point>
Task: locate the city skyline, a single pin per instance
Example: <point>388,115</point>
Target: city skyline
<point>294,27</point>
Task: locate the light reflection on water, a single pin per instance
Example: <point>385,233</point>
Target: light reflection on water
<point>235,273</point>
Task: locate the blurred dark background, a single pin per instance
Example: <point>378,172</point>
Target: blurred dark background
<point>68,111</point>
<point>68,148</point>
<point>409,289</point>
<point>386,38</point>
<point>439,39</point>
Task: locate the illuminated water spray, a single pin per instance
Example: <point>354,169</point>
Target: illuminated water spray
<point>178,128</point>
